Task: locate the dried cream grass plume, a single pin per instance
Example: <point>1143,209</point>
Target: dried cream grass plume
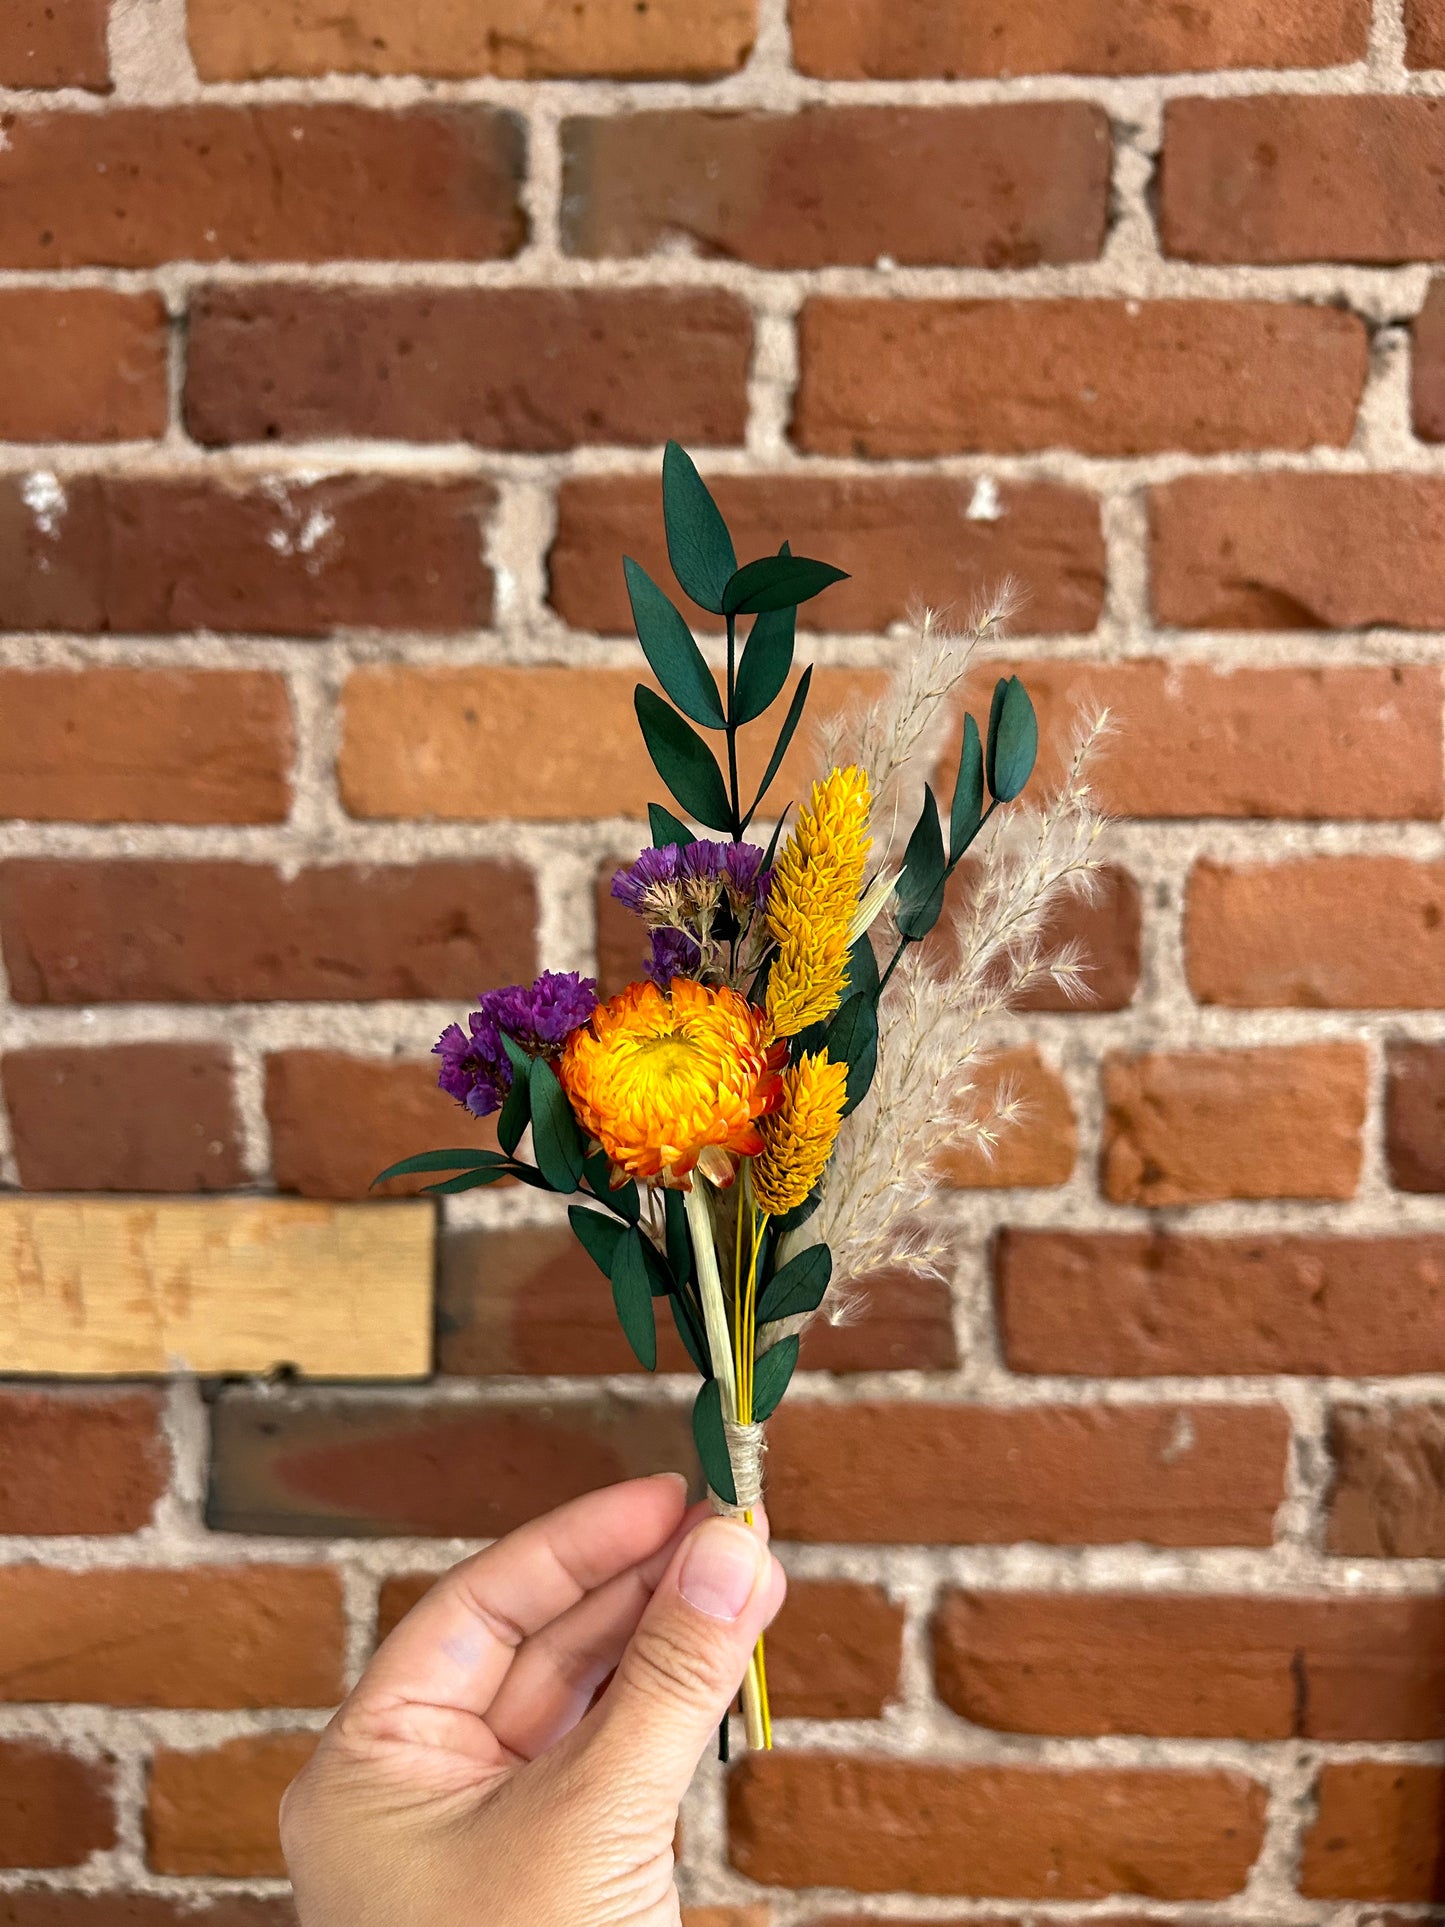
<point>927,1097</point>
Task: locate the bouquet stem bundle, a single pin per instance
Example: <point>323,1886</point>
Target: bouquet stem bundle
<point>754,1128</point>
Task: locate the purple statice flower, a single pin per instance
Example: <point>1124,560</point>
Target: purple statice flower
<point>680,883</point>
<point>540,1017</point>
<point>674,954</point>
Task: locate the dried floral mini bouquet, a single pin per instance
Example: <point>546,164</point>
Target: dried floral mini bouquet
<point>754,1125</point>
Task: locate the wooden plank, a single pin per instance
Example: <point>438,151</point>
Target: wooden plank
<point>101,1287</point>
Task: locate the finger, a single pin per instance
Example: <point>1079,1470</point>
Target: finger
<point>455,1646</point>
<point>684,1665</point>
<point>555,1675</point>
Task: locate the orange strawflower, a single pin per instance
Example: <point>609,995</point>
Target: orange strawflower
<point>668,1080</point>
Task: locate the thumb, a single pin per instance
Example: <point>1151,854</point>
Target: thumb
<point>686,1661</point>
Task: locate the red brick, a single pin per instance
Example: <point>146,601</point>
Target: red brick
<point>336,1121</point>
<point>537,743</point>
<point>215,1812</point>
<point>922,1473</point>
<point>610,38</point>
<point>1185,1127</point>
<point>528,1300</point>
<point>864,40</point>
<point>113,745</point>
<point>1293,551</point>
<point>164,555</point>
<point>1196,1664</point>
<point>1424,34</point>
<point>81,365</point>
<point>1159,1304</point>
<point>1387,1500</point>
<point>207,1636</point>
<point>217,932</point>
<point>726,1917</point>
<point>1427,366</point>
<point>1038,1148</point>
<point>1415,1116</point>
<point>1028,185</point>
<point>1320,177</point>
<point>48,1907</point>
<point>907,378</point>
<point>1317,932</point>
<point>274,183</point>
<point>1196,739</point>
<point>558,366</point>
<point>904,539</point>
<point>1376,1833</point>
<point>876,1825</point>
<point>55,1809</point>
<point>44,44</point>
<point>124,1117</point>
<point>77,1460</point>
<point>364,1466</point>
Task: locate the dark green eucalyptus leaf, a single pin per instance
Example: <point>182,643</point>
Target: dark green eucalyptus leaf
<point>766,660</point>
<point>853,1040</point>
<point>632,1295</point>
<point>698,544</point>
<point>668,645</point>
<point>1014,746</point>
<point>777,582</point>
<point>473,1180</point>
<point>925,873</point>
<point>597,1235</point>
<point>800,1213</point>
<point>598,1175</point>
<point>798,1287</point>
<point>683,760</point>
<point>439,1161</point>
<point>688,1331</point>
<point>679,1246</point>
<point>712,1443</point>
<point>556,1142</point>
<point>771,1375</point>
<point>666,828</point>
<point>995,711</point>
<point>862,970</point>
<point>785,736</point>
<point>809,1042</point>
<point>967,811</point>
<point>516,1112</point>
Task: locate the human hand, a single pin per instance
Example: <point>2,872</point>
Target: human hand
<point>470,1781</point>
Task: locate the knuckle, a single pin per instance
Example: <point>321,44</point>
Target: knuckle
<point>672,1663</point>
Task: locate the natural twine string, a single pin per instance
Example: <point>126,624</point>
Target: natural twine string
<point>746,1446</point>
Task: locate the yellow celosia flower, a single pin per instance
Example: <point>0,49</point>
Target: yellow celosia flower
<point>798,1137</point>
<point>814,894</point>
<point>664,1080</point>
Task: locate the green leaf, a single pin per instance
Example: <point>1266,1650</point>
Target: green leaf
<point>925,873</point>
<point>679,1249</point>
<point>632,1295</point>
<point>799,1214</point>
<point>598,1236</point>
<point>785,736</point>
<point>853,1040</point>
<point>687,1331</point>
<point>516,1111</point>
<point>771,1375</point>
<point>862,978</point>
<point>624,1200</point>
<point>472,1180</point>
<point>683,760</point>
<point>666,828</point>
<point>712,1444</point>
<point>777,582</point>
<point>766,660</point>
<point>555,1138</point>
<point>698,544</point>
<point>1013,742</point>
<point>799,1287</point>
<point>966,812</point>
<point>668,645</point>
<point>439,1161</point>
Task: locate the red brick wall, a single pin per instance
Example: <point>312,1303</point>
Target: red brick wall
<point>328,406</point>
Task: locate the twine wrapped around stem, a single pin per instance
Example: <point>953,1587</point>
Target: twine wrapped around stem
<point>746,1446</point>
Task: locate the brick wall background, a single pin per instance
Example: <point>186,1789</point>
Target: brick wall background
<point>336,346</point>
